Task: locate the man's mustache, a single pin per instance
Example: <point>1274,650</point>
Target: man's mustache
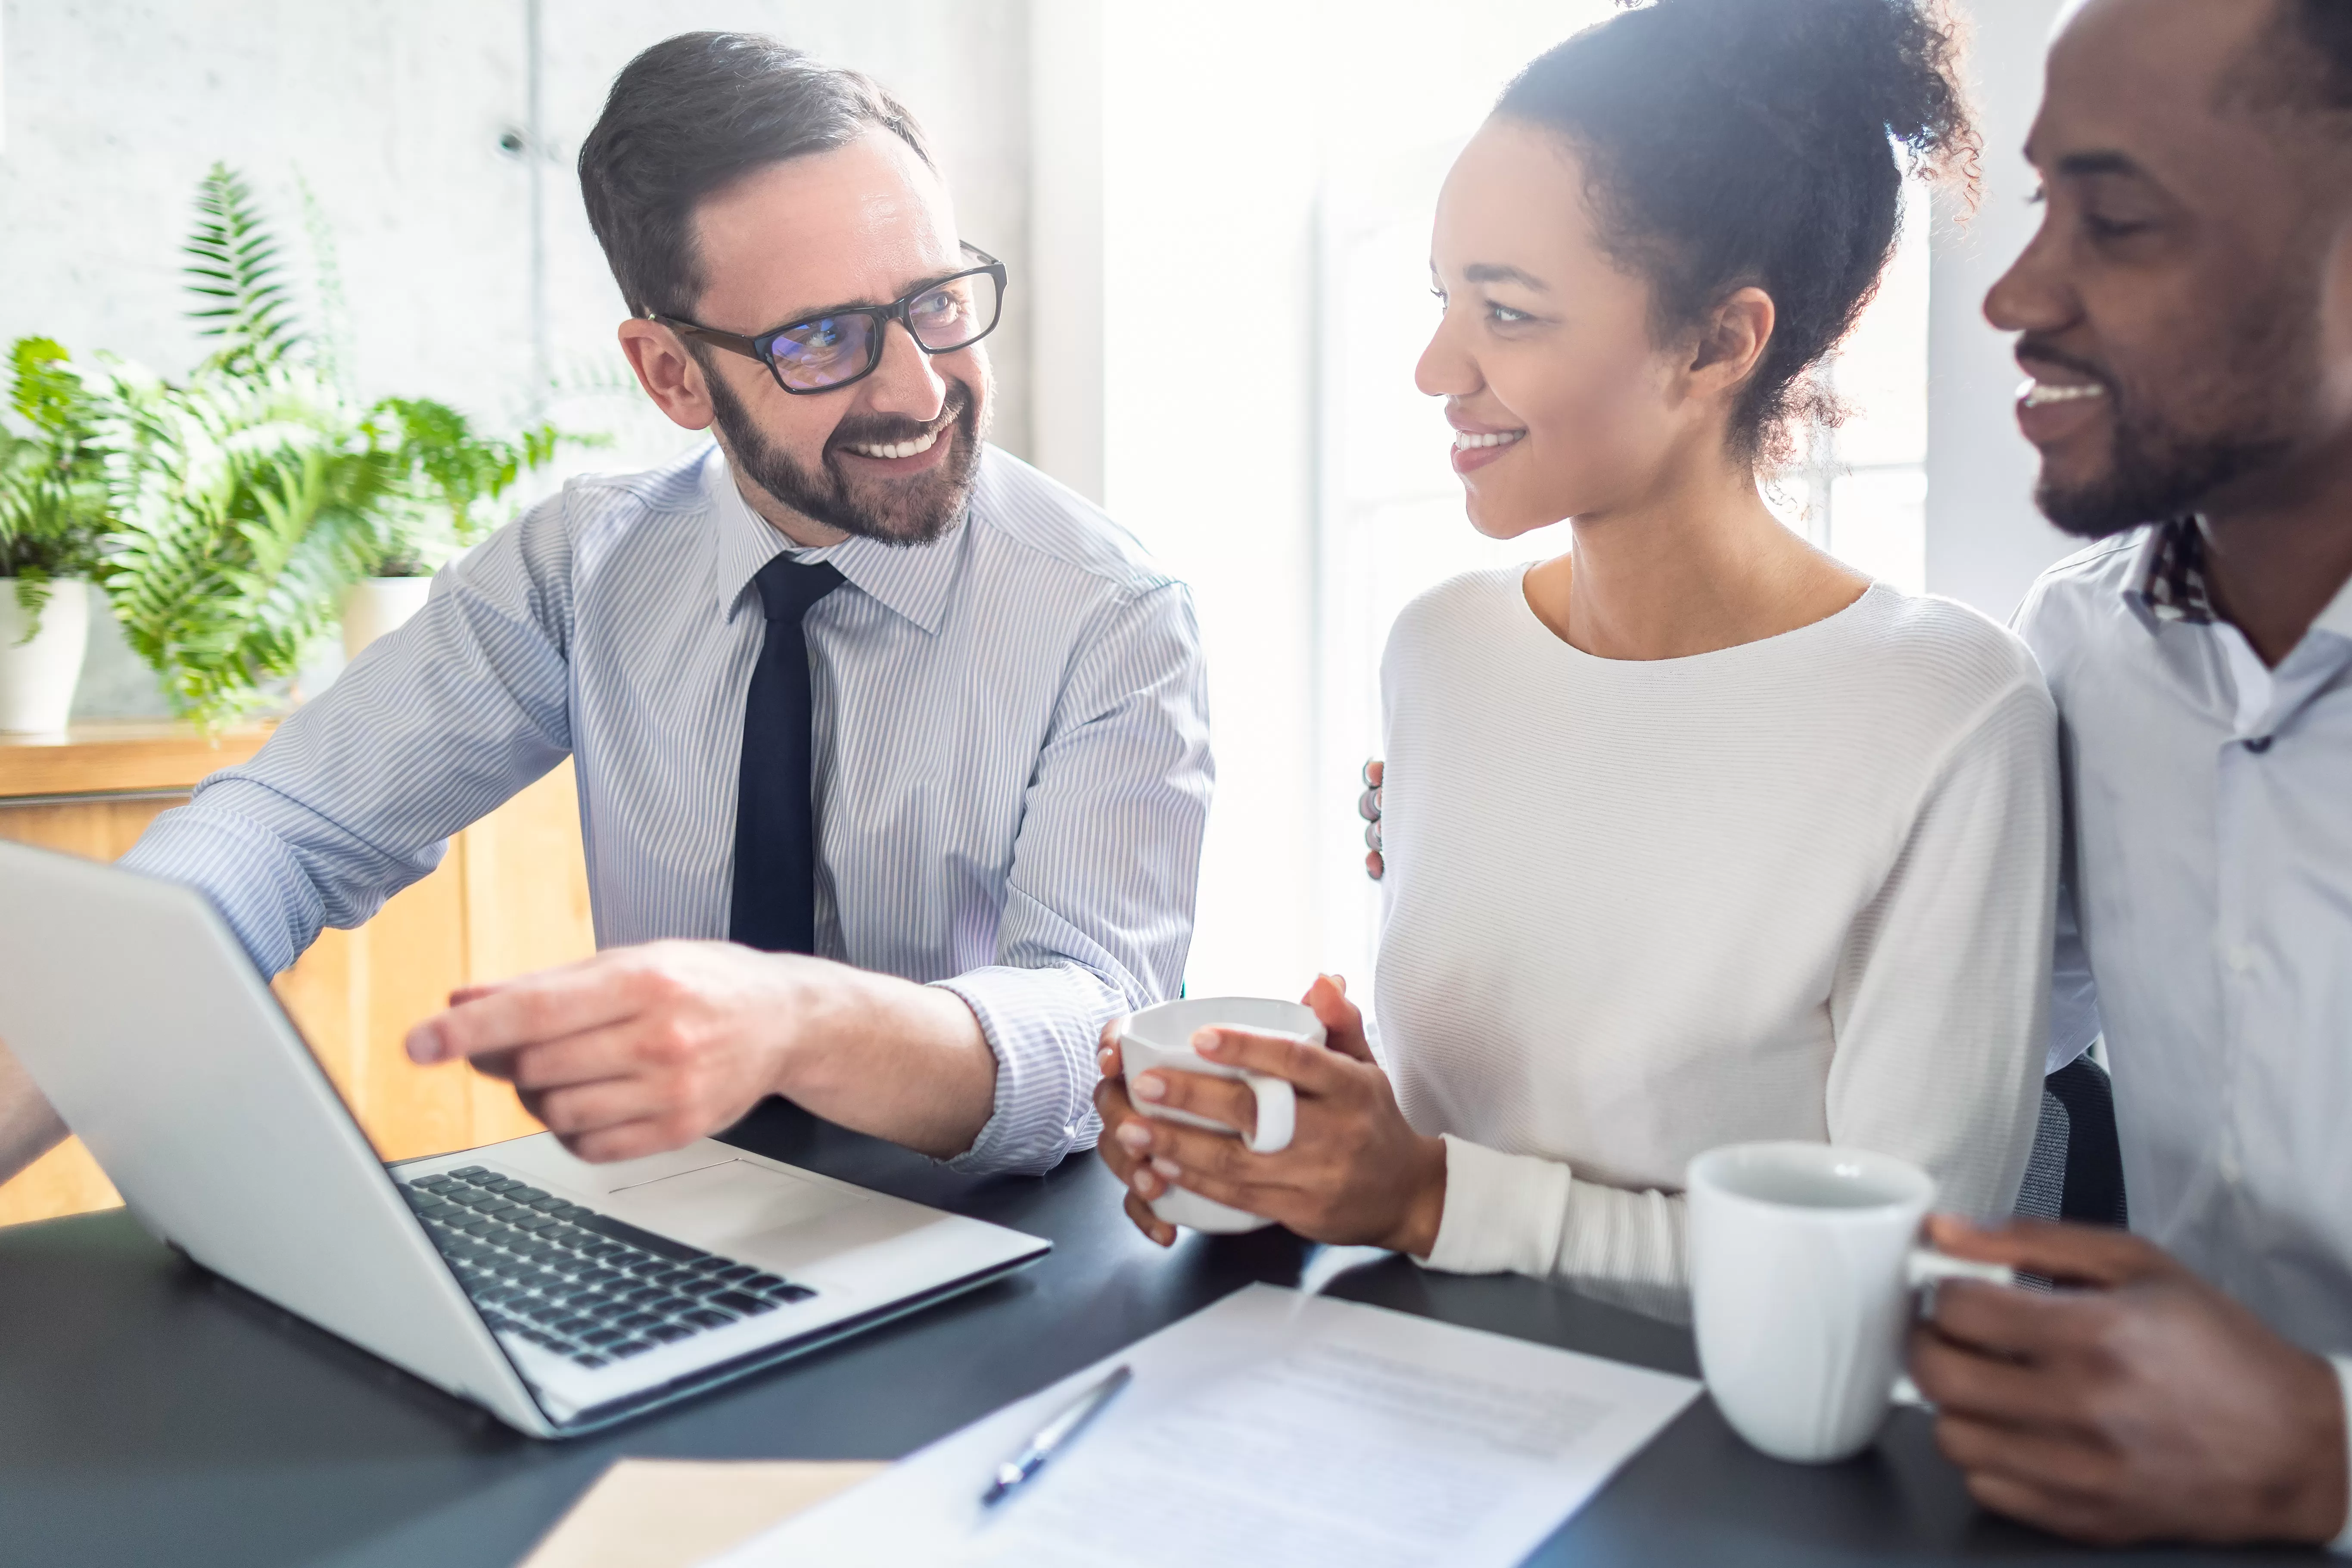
<point>883,431</point>
<point>2031,351</point>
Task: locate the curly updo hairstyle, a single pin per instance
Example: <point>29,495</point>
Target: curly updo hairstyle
<point>1735,142</point>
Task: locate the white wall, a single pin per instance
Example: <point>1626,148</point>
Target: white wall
<point>1986,543</point>
<point>392,112</point>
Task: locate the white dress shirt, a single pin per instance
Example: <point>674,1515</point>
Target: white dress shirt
<point>1011,768</point>
<point>1798,889</point>
<point>2209,878</point>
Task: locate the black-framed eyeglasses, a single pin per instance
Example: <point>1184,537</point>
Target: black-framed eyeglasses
<point>821,352</point>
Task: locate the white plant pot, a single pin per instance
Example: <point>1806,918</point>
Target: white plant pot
<point>377,605</point>
<point>38,678</point>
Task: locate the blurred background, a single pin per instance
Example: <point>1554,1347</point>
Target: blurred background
<point>1216,219</point>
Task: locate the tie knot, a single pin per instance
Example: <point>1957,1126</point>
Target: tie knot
<point>788,587</point>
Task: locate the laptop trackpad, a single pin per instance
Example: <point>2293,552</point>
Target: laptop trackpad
<point>730,1201</point>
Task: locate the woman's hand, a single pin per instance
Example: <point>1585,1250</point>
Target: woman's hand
<point>1355,1172</point>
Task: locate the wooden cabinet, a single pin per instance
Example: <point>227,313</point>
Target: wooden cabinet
<point>511,896</point>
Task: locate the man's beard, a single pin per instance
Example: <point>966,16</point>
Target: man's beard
<point>921,511</point>
<point>2157,471</point>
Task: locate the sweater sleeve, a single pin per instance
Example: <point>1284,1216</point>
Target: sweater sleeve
<point>1938,1006</point>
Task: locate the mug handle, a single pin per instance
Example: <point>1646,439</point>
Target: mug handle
<point>1277,1112</point>
<point>1925,1266</point>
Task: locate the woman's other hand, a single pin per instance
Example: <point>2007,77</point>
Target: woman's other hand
<point>1368,807</point>
<point>1135,1176</point>
<point>1355,1172</point>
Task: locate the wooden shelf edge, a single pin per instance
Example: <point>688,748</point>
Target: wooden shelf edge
<point>119,756</point>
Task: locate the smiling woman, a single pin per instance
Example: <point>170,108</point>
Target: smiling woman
<point>1693,835</point>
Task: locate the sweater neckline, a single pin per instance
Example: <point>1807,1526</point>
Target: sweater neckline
<point>1871,598</point>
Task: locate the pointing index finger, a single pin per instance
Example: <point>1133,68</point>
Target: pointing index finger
<point>535,1008</point>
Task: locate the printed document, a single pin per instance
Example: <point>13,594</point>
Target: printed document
<point>1270,1427</point>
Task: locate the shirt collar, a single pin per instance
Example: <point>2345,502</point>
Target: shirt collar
<point>912,580</point>
<point>2168,582</point>
<point>2168,579</point>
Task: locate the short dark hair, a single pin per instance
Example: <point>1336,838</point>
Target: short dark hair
<point>691,116</point>
<point>1728,143</point>
<point>2301,62</point>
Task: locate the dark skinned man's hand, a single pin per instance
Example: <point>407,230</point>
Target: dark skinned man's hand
<point>2137,1403</point>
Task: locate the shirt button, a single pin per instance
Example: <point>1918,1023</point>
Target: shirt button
<point>2232,1173</point>
<point>2240,958</point>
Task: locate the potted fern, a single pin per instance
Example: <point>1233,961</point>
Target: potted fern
<point>447,473</point>
<point>55,519</point>
<point>249,495</point>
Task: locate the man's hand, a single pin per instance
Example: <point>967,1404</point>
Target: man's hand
<point>1368,807</point>
<point>30,1125</point>
<point>642,1049</point>
<point>2139,1403</point>
<point>1355,1171</point>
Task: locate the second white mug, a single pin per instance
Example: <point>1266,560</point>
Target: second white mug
<point>1162,1038</point>
<point>1804,1258</point>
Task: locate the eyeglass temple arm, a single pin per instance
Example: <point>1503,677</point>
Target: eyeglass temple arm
<point>734,343</point>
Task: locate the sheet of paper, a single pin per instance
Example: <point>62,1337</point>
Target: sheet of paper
<point>1271,1427</point>
<point>673,1514</point>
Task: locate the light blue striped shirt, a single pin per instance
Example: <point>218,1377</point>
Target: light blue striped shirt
<point>1011,758</point>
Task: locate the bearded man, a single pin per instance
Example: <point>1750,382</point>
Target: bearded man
<point>892,753</point>
<point>2185,319</point>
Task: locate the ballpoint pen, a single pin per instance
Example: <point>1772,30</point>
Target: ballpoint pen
<point>1052,1434</point>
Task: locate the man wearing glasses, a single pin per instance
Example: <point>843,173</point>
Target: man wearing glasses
<point>893,755</point>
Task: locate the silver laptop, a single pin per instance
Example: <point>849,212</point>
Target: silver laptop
<point>559,1295</point>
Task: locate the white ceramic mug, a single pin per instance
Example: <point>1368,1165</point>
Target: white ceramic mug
<point>1161,1038</point>
<point>1804,1259</point>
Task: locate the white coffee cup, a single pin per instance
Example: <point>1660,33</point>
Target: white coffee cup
<point>1161,1038</point>
<point>1804,1259</point>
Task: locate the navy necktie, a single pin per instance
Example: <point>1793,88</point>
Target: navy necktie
<point>774,906</point>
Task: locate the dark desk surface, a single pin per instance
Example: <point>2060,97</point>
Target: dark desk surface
<point>151,1413</point>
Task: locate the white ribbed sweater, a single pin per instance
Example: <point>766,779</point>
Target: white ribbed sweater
<point>1796,889</point>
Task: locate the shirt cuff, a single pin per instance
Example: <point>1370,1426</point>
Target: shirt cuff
<point>1504,1214</point>
<point>2342,1544</point>
<point>1043,1026</point>
<point>258,887</point>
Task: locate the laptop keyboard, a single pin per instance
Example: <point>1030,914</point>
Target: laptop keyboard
<point>580,1283</point>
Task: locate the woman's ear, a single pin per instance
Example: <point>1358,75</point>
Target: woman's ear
<point>1732,343</point>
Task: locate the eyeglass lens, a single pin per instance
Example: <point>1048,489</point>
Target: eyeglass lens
<point>835,348</point>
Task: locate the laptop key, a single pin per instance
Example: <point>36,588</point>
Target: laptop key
<point>597,1338</point>
<point>546,1204</point>
<point>534,1222</point>
<point>736,1302</point>
<point>667,1334</point>
<point>571,1326</point>
<point>788,1292</point>
<point>737,1271</point>
<point>629,1348</point>
<point>469,1172</point>
<point>526,1195</point>
<point>479,1227</point>
<point>633,1320</point>
<point>673,1306</point>
<point>590,1359</point>
<point>763,1282</point>
<point>709,1318</point>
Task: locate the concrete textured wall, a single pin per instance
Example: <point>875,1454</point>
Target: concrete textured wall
<point>391,112</point>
